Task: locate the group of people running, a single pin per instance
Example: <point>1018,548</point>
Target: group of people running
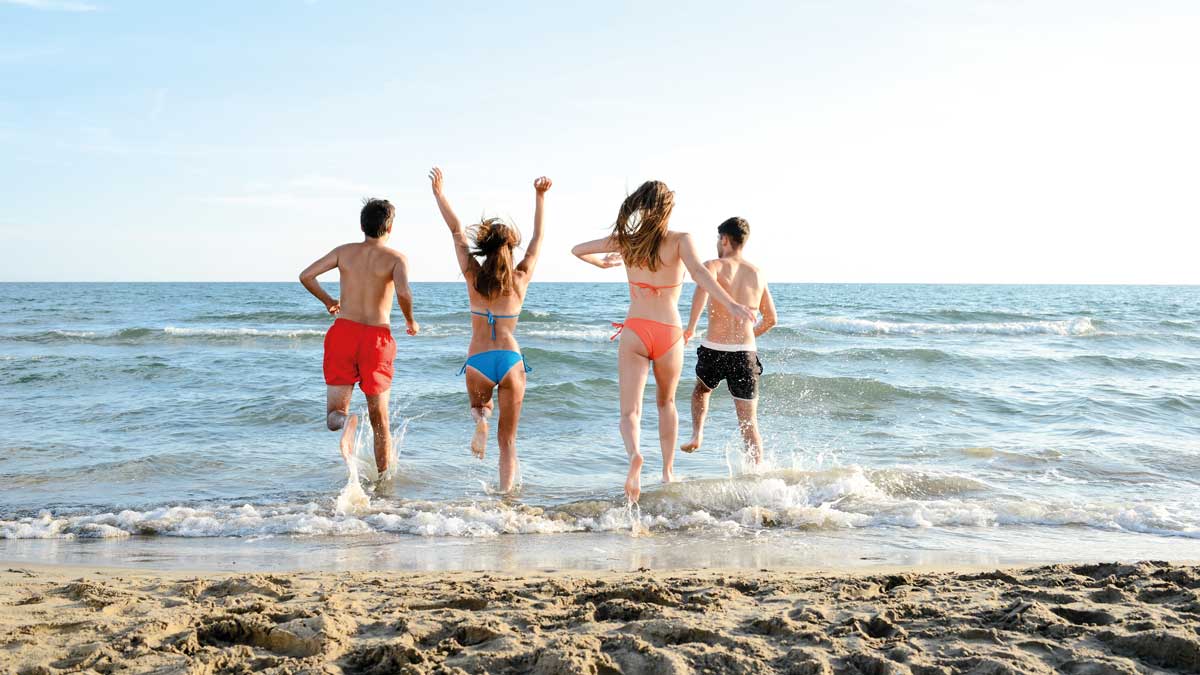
<point>359,348</point>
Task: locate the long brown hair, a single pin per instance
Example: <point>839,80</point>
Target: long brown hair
<point>494,241</point>
<point>642,224</point>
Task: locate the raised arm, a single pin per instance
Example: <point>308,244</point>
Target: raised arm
<point>699,301</point>
<point>404,293</point>
<point>767,307</point>
<point>602,253</point>
<point>462,248</point>
<point>535,244</point>
<point>705,280</point>
<point>309,278</point>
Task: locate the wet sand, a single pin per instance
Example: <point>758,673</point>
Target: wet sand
<point>1093,618</point>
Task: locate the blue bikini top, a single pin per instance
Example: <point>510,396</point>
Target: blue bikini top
<point>491,318</point>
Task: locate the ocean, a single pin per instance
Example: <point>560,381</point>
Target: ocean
<point>183,424</point>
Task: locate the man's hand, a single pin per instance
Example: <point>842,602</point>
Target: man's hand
<point>688,333</point>
<point>334,308</point>
<point>413,327</point>
<point>541,184</point>
<point>435,180</point>
<point>613,259</point>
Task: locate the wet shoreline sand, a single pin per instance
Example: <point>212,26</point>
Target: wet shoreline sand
<point>1077,618</point>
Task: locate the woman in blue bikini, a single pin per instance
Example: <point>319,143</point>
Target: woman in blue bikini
<point>496,289</point>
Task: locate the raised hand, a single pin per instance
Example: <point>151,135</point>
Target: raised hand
<point>613,259</point>
<point>541,184</point>
<point>435,180</point>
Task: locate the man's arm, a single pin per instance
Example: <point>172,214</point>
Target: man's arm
<point>699,302</point>
<point>462,248</point>
<point>706,280</point>
<point>535,244</point>
<point>767,307</point>
<point>599,252</point>
<point>309,278</point>
<point>404,293</point>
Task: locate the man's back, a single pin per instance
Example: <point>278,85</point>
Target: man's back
<point>367,271</point>
<point>745,284</point>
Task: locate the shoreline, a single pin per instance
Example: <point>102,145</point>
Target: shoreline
<point>1089,618</point>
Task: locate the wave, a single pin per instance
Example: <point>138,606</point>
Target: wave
<point>141,335</point>
<point>843,498</point>
<point>1078,326</point>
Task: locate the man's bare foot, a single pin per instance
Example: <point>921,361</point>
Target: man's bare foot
<point>347,440</point>
<point>692,445</point>
<point>633,481</point>
<point>479,440</point>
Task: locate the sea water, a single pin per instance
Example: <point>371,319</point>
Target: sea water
<point>902,423</point>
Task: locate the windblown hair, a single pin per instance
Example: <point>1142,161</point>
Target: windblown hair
<point>376,217</point>
<point>494,242</point>
<point>642,224</point>
<point>737,229</point>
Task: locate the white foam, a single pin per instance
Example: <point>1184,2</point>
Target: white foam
<point>1078,326</point>
<point>242,332</point>
<point>841,498</point>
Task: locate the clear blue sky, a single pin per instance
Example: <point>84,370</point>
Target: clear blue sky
<point>865,141</point>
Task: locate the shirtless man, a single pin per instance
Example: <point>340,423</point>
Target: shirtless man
<point>727,351</point>
<point>359,347</point>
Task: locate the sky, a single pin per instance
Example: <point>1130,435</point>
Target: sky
<point>942,141</point>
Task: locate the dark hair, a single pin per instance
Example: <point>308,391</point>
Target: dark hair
<point>737,229</point>
<point>494,240</point>
<point>642,224</point>
<point>376,217</point>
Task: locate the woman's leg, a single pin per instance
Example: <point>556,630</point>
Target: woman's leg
<point>479,391</point>
<point>632,370</point>
<point>512,395</point>
<point>667,369</point>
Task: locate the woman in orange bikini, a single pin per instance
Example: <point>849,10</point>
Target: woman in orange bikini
<point>654,259</point>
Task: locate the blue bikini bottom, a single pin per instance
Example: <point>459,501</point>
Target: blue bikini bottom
<point>494,365</point>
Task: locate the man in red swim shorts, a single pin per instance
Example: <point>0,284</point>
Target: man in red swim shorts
<point>359,347</point>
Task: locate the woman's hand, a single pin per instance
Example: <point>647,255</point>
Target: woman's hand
<point>435,180</point>
<point>742,312</point>
<point>613,259</point>
<point>541,184</point>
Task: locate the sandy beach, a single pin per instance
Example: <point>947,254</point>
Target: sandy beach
<point>1093,618</point>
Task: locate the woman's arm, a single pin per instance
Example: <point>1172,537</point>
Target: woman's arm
<point>462,248</point>
<point>699,301</point>
<point>705,279</point>
<point>767,307</point>
<point>599,252</point>
<point>535,244</point>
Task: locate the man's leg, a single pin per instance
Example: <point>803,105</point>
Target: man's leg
<point>700,396</point>
<point>747,414</point>
<point>377,408</point>
<point>337,416</point>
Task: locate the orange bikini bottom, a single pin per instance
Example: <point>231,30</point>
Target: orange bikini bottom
<point>658,337</point>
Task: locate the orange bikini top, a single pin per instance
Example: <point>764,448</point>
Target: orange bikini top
<point>651,287</point>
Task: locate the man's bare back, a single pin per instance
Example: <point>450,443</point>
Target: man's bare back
<point>745,284</point>
<point>368,278</point>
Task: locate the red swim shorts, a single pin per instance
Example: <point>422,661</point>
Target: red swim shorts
<point>356,352</point>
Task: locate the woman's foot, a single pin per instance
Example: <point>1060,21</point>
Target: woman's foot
<point>479,439</point>
<point>347,440</point>
<point>694,444</point>
<point>633,480</point>
<point>668,475</point>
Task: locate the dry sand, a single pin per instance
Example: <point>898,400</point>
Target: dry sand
<point>1111,618</point>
